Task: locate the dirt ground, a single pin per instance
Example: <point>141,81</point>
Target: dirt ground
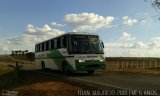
<point>27,83</point>
<point>48,89</point>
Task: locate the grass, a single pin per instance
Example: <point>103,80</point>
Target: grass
<point>30,83</point>
<point>6,59</point>
<point>5,69</point>
<point>9,77</point>
<point>145,72</point>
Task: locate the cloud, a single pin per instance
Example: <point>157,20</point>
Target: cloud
<point>129,41</point>
<point>87,21</point>
<point>127,37</point>
<point>135,45</point>
<point>155,44</point>
<point>128,46</point>
<point>33,35</point>
<point>57,24</point>
<point>45,31</point>
<point>129,21</point>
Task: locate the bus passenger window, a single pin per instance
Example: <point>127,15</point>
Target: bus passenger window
<point>58,43</point>
<point>44,46</point>
<point>64,42</point>
<point>49,45</point>
<point>52,44</point>
<point>55,43</point>
<point>41,47</point>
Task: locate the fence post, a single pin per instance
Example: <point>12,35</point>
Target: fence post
<point>122,65</point>
<point>156,63</point>
<point>137,64</point>
<point>127,65</point>
<point>143,64</point>
<point>132,65</point>
<point>118,65</point>
<point>150,64</point>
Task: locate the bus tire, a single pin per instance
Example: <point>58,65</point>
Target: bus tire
<point>65,69</point>
<point>90,71</point>
<point>43,66</point>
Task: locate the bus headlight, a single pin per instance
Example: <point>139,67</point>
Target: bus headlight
<point>101,60</point>
<point>81,60</point>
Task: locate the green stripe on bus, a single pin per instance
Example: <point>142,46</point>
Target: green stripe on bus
<point>89,66</point>
<point>58,61</point>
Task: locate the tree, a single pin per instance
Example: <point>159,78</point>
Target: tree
<point>13,53</point>
<point>30,56</point>
<point>155,4</point>
<point>26,51</point>
<point>16,52</point>
<point>20,52</point>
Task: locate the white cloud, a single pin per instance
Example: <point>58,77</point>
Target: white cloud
<point>33,35</point>
<point>87,21</point>
<point>140,44</point>
<point>45,31</point>
<point>57,24</point>
<point>130,47</point>
<point>129,21</point>
<point>134,45</point>
<point>155,44</point>
<point>127,37</point>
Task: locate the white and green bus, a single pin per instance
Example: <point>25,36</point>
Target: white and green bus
<point>71,52</point>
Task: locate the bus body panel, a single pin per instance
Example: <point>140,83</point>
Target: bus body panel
<point>53,59</point>
<point>56,57</point>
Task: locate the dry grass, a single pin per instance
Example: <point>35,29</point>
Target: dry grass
<point>6,59</point>
<point>35,84</point>
<point>140,71</point>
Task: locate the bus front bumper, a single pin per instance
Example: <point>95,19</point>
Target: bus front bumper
<point>92,65</point>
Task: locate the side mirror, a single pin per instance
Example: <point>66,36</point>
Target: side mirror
<point>102,44</point>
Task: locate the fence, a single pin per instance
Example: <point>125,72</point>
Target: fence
<point>132,64</point>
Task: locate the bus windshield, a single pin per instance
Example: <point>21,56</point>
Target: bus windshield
<point>87,44</point>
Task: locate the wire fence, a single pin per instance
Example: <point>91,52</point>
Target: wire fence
<point>130,64</point>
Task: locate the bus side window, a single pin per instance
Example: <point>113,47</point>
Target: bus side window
<point>41,47</point>
<point>49,45</point>
<point>58,43</point>
<point>70,49</point>
<point>44,46</point>
<point>35,48</point>
<point>38,47</point>
<point>55,43</point>
<point>63,42</point>
<point>52,44</point>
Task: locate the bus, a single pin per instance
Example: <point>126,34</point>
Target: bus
<point>71,52</point>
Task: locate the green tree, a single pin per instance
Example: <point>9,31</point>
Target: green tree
<point>155,4</point>
<point>30,56</point>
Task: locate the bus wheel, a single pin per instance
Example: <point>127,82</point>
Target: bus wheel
<point>65,69</point>
<point>43,66</point>
<point>90,71</point>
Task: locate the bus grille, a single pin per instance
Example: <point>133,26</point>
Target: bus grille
<point>93,65</point>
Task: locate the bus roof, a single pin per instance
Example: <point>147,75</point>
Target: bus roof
<point>70,33</point>
<point>80,33</point>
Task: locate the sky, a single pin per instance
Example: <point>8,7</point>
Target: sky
<point>128,28</point>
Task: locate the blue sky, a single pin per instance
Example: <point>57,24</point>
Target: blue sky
<point>139,31</point>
